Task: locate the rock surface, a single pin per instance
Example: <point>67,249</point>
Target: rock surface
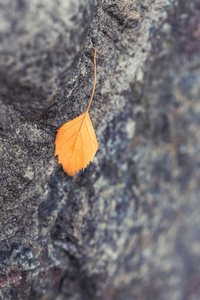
<point>128,228</point>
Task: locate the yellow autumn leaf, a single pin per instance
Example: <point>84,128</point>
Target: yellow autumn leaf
<point>76,142</point>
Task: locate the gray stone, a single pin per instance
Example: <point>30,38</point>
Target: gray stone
<point>39,44</point>
<point>128,226</point>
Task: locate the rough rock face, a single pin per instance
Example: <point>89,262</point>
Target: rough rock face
<point>128,228</point>
<point>40,41</point>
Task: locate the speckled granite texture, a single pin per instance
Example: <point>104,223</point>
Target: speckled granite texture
<point>129,228</point>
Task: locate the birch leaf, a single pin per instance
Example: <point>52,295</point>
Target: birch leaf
<point>76,143</point>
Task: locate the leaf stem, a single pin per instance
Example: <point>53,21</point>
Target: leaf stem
<point>94,80</point>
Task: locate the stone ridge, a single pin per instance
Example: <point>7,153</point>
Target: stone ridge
<point>128,227</point>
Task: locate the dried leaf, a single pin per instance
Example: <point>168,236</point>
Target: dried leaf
<point>76,142</point>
